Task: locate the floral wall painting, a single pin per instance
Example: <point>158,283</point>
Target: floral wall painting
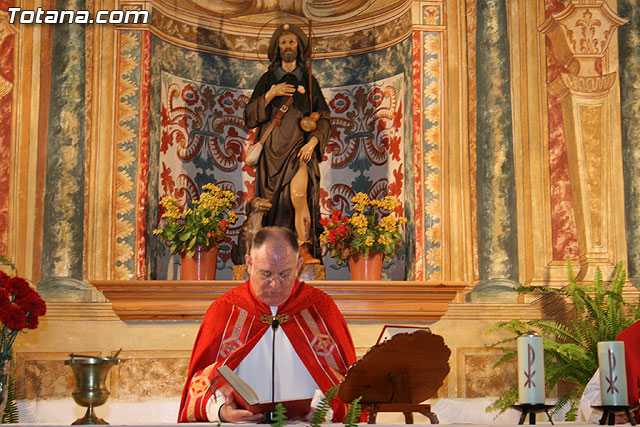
<point>204,139</point>
<point>401,79</point>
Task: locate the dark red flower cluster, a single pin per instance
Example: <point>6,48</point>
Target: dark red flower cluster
<point>20,305</point>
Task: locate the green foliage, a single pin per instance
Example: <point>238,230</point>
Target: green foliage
<point>279,417</point>
<point>320,414</point>
<point>352,418</point>
<point>184,228</point>
<point>508,399</point>
<point>10,415</point>
<point>371,228</point>
<point>570,350</point>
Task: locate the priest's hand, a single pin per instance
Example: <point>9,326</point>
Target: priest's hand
<point>229,412</point>
<point>307,418</point>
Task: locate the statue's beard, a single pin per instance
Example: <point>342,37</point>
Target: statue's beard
<point>288,55</point>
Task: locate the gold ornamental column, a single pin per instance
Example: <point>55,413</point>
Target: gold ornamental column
<point>580,36</point>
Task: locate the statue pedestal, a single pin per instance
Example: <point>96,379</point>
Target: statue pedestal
<point>309,272</point>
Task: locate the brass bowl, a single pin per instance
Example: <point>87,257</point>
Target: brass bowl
<point>91,390</point>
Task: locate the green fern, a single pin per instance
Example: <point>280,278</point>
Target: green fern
<point>279,416</point>
<point>508,399</point>
<point>10,414</point>
<point>320,414</point>
<point>570,350</point>
<point>352,418</point>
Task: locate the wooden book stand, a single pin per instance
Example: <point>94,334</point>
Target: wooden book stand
<point>395,376</point>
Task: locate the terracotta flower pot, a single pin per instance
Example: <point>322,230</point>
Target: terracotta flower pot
<point>369,268</point>
<point>201,266</point>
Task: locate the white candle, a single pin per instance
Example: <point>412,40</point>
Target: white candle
<point>530,369</point>
<point>613,373</point>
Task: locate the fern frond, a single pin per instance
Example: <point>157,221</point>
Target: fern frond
<point>320,414</point>
<point>551,327</point>
<point>516,326</point>
<point>10,414</point>
<point>504,402</point>
<point>352,418</point>
<point>279,416</point>
<point>509,355</point>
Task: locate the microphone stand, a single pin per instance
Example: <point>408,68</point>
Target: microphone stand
<point>274,326</point>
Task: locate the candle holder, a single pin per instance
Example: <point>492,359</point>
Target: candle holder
<point>609,413</point>
<point>532,409</point>
<point>91,375</point>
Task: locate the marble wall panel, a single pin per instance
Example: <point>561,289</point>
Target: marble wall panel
<point>146,374</point>
<point>478,378</point>
<point>141,375</point>
<point>43,376</point>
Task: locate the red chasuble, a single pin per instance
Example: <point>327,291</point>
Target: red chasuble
<point>234,324</point>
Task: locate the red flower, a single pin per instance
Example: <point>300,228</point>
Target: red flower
<point>228,103</point>
<point>19,286</point>
<point>340,103</point>
<point>376,97</point>
<point>14,318</point>
<point>31,303</point>
<point>5,299</point>
<point>189,95</point>
<point>20,307</point>
<point>32,321</point>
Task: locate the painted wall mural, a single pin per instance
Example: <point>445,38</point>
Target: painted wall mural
<point>564,231</point>
<point>204,140</point>
<point>7,41</point>
<point>179,90</point>
<point>432,125</point>
<point>132,144</point>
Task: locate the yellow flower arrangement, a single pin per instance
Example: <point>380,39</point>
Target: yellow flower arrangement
<point>202,224</point>
<point>371,228</point>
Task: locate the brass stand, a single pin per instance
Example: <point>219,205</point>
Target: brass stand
<point>89,419</point>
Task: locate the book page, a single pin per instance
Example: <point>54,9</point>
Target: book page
<point>239,385</point>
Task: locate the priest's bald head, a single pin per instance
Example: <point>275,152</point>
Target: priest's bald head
<point>273,264</point>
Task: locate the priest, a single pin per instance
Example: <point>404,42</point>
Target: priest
<point>270,314</point>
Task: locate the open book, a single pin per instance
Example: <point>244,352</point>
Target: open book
<point>247,398</point>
